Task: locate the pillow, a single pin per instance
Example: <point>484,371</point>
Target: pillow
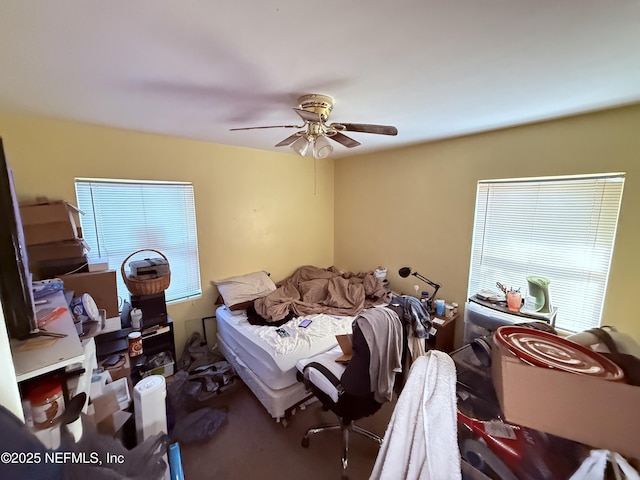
<point>238,292</point>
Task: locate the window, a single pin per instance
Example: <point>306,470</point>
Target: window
<point>562,228</point>
<point>124,216</point>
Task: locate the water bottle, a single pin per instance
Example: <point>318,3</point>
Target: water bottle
<point>424,299</point>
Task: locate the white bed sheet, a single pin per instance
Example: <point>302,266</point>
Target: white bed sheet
<point>279,403</point>
<point>273,358</point>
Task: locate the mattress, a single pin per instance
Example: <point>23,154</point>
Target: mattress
<point>271,357</point>
<point>279,403</point>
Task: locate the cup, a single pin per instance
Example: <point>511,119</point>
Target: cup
<point>530,303</point>
<point>136,319</point>
<point>514,301</point>
<point>440,306</point>
<point>448,312</point>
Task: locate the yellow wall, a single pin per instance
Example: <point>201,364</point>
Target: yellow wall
<point>255,210</point>
<point>412,206</point>
<point>415,206</point>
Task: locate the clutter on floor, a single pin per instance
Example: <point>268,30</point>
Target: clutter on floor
<point>202,378</point>
<point>572,396</point>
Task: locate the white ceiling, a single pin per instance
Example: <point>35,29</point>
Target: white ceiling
<point>432,68</point>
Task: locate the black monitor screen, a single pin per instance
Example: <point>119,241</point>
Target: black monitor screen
<point>15,279</point>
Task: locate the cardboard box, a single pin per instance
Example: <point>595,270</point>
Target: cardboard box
<point>121,370</point>
<point>100,285</point>
<point>98,264</point>
<point>51,232</point>
<point>165,370</point>
<point>57,250</point>
<point>48,212</point>
<point>159,364</point>
<point>599,413</point>
<point>104,411</point>
<point>48,222</point>
<point>47,269</point>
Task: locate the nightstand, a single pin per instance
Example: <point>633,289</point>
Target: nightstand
<point>445,333</point>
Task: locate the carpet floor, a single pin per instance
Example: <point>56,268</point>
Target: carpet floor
<point>252,445</point>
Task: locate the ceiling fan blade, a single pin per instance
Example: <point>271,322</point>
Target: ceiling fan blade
<point>289,140</point>
<point>269,126</point>
<point>367,128</point>
<point>308,116</point>
<point>344,140</point>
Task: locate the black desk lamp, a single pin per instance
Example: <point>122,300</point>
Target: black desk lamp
<point>404,272</point>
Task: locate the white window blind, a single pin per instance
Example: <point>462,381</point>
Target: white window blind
<point>124,216</point>
<point>561,228</point>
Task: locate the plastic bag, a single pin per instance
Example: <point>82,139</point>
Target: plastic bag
<point>196,353</point>
<point>191,391</point>
<point>107,459</point>
<point>95,456</point>
<point>198,426</point>
<point>594,467</point>
<point>201,377</point>
<point>194,421</point>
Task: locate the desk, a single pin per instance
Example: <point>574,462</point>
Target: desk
<point>49,361</point>
<point>502,307</point>
<point>63,352</point>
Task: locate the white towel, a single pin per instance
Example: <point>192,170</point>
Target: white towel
<point>421,441</point>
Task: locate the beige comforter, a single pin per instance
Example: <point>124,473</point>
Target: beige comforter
<point>312,290</point>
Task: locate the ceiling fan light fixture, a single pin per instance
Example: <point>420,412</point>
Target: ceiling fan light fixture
<point>300,146</point>
<point>314,110</point>
<point>322,148</point>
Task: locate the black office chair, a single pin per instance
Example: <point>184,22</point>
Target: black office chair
<point>347,390</point>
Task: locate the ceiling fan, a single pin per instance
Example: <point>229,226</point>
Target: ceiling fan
<point>314,110</point>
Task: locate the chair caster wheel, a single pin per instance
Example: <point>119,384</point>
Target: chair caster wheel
<point>305,442</point>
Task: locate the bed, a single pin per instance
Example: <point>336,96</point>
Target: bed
<point>266,359</point>
<point>266,362</point>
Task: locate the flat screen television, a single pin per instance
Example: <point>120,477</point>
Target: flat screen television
<point>16,290</point>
